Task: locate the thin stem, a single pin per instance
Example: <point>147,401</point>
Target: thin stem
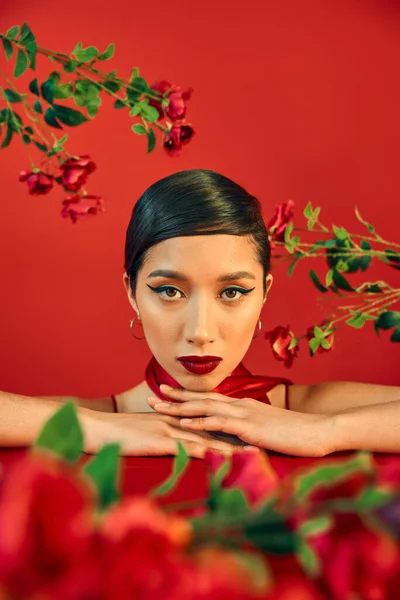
<point>352,235</point>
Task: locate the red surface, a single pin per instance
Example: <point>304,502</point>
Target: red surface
<point>292,99</point>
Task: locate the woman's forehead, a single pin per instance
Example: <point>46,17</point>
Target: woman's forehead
<point>217,251</point>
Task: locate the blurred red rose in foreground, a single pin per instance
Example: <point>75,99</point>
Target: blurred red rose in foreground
<point>177,137</point>
<point>278,223</point>
<point>251,472</point>
<point>79,208</point>
<point>47,542</point>
<point>75,171</point>
<point>176,109</point>
<point>39,183</point>
<point>280,338</point>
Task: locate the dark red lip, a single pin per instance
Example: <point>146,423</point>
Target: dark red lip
<point>200,367</point>
<point>199,359</point>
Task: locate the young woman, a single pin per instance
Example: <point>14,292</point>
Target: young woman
<point>197,260</point>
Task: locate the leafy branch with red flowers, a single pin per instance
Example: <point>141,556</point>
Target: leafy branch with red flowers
<point>76,80</point>
<point>345,256</point>
<point>326,530</point>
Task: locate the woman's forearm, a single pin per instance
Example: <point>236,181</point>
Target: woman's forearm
<point>375,428</point>
<point>22,418</point>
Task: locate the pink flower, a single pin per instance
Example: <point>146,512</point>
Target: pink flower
<point>39,183</point>
<point>177,137</point>
<point>251,472</point>
<point>277,225</point>
<point>75,171</point>
<point>280,339</point>
<point>176,109</point>
<point>79,208</point>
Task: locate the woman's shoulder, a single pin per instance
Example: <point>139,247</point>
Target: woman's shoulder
<point>134,399</point>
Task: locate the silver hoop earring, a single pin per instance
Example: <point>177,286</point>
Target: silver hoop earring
<point>259,329</point>
<point>131,322</point>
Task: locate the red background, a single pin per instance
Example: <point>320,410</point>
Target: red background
<point>292,99</point>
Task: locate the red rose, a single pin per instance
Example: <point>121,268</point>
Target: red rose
<point>277,225</point>
<point>38,183</point>
<point>176,109</point>
<point>75,171</point>
<point>250,472</point>
<point>280,339</point>
<point>144,556</point>
<point>329,338</point>
<point>79,208</point>
<point>177,137</point>
<point>48,547</point>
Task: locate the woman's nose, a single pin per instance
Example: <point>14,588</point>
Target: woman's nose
<point>200,326</point>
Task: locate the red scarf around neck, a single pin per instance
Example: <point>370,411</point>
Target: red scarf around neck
<point>240,384</point>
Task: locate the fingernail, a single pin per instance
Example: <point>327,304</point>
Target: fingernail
<point>183,421</point>
<point>166,387</point>
<point>251,449</point>
<point>162,405</point>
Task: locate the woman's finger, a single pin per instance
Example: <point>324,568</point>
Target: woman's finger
<point>210,443</point>
<point>182,395</point>
<point>222,423</point>
<point>194,408</point>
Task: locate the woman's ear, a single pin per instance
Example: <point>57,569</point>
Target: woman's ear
<point>128,289</point>
<point>268,284</point>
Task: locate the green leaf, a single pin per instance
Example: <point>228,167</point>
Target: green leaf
<point>26,34</point>
<point>26,139</point>
<point>50,118</point>
<point>139,129</point>
<point>393,258</point>
<point>31,50</point>
<point>310,224</point>
<point>325,344</point>
<point>8,48</point>
<point>70,66</point>
<point>357,321</point>
<point>112,86</point>
<point>135,110</point>
<point>315,526</point>
<point>21,64</point>
<point>41,147</point>
<point>340,232</point>
<point>69,116</point>
<point>62,434</point>
<point>34,87</point>
<point>328,278</point>
<point>331,243</point>
<point>268,531</point>
<point>103,471</point>
<point>63,91</point>
<point>86,54</point>
<point>308,211</point>
<point>13,32</point>
<point>181,463</point>
<point>309,559</point>
<point>365,261</point>
<point>47,90</point>
<point>314,344</point>
<point>318,332</point>
<point>12,96</point>
<point>148,113</point>
<point>7,138</point>
<point>29,129</point>
<point>151,140</point>
<point>370,228</point>
<point>296,257</point>
<point>341,282</point>
<point>108,53</point>
<point>388,319</point>
<point>37,107</point>
<point>395,337</point>
<point>316,281</point>
<point>119,104</point>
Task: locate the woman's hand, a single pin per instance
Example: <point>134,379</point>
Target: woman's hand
<point>148,434</point>
<point>281,430</point>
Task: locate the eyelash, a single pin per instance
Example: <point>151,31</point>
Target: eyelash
<point>162,288</point>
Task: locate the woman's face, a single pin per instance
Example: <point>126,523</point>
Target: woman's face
<point>208,303</point>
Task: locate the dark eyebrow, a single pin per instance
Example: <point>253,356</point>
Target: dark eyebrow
<point>180,277</point>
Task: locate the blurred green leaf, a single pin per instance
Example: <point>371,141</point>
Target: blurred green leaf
<point>316,281</point>
<point>63,91</point>
<point>103,471</point>
<point>393,258</point>
<point>309,559</point>
<point>21,65</point>
<point>37,107</point>
<point>108,53</point>
<point>69,116</point>
<point>308,211</point>
<point>341,282</point>
<point>388,319</point>
<point>50,118</point>
<point>8,48</point>
<point>12,96</point>
<point>34,87</point>
<point>139,129</point>
<point>119,104</point>
<point>70,66</point>
<point>47,90</point>
<point>181,463</point>
<point>40,146</point>
<point>313,345</point>
<point>357,321</point>
<point>13,32</point>
<point>86,54</point>
<point>340,232</point>
<point>151,140</point>
<point>62,434</point>
<point>296,257</point>
<point>7,138</point>
<point>26,139</point>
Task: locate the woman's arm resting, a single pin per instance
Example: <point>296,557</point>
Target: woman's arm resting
<point>102,404</point>
<point>375,427</point>
<point>334,396</point>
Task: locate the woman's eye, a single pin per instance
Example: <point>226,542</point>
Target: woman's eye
<point>171,293</point>
<point>233,293</point>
